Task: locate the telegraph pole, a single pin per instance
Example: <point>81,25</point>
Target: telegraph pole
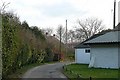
<point>66,37</point>
<point>114,14</point>
<point>60,41</point>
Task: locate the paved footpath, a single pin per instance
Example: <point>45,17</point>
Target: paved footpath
<point>46,71</point>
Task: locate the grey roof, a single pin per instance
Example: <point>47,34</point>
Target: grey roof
<point>109,37</point>
<point>82,45</point>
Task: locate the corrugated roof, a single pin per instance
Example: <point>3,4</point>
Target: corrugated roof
<point>109,37</point>
<point>83,45</point>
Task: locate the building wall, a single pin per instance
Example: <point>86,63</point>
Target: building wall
<point>119,56</point>
<point>104,56</point>
<point>119,12</point>
<point>81,56</point>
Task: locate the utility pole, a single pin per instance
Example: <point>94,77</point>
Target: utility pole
<point>114,16</point>
<point>66,37</point>
<point>118,12</point>
<point>60,41</point>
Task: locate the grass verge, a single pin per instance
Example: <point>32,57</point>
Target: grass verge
<point>82,71</point>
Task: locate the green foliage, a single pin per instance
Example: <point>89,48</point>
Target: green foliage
<point>49,55</point>
<point>23,55</point>
<point>9,43</point>
<point>22,45</point>
<point>41,55</point>
<point>38,33</point>
<point>25,25</point>
<point>0,46</point>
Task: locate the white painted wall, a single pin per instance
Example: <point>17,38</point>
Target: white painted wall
<point>81,56</point>
<point>119,12</point>
<point>119,56</point>
<point>105,56</point>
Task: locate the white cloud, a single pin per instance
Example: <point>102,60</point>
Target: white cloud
<point>63,9</point>
<point>98,8</point>
<point>51,13</point>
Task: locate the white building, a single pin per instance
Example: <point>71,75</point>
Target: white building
<point>82,54</point>
<point>105,50</point>
<point>82,51</point>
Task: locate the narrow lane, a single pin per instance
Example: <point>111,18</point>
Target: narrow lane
<point>46,71</point>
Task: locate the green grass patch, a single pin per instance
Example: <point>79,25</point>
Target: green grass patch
<point>19,73</point>
<point>73,70</point>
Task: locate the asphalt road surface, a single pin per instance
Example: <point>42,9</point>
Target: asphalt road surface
<point>46,71</point>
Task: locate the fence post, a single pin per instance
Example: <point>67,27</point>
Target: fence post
<point>78,76</point>
<point>63,67</point>
<point>90,78</point>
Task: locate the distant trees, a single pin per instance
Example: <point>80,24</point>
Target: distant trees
<point>60,32</point>
<point>47,31</point>
<point>3,6</point>
<point>86,29</point>
<point>71,35</point>
<point>38,33</point>
<point>25,25</point>
<point>89,27</point>
<point>23,45</point>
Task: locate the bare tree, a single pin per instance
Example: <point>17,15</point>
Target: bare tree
<point>3,6</point>
<point>89,27</point>
<point>71,36</point>
<point>60,32</point>
<point>49,31</point>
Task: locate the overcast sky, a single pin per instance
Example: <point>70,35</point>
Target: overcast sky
<point>51,13</point>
